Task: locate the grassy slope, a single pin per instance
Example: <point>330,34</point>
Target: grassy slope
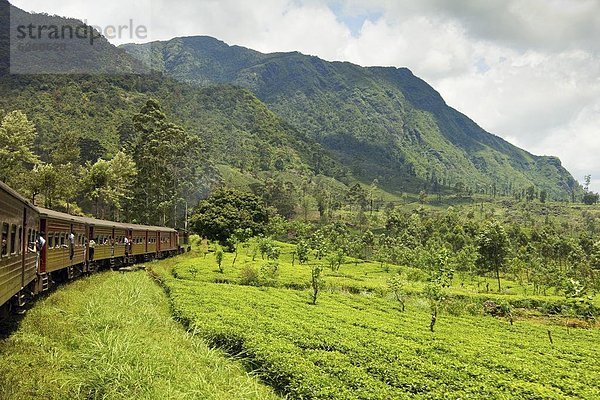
<point>360,346</point>
<point>111,336</point>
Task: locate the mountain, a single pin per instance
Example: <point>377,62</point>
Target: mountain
<point>49,44</point>
<point>383,123</point>
<point>95,90</point>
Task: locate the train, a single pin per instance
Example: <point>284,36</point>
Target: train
<point>42,247</point>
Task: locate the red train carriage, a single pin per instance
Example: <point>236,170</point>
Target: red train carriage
<point>18,253</point>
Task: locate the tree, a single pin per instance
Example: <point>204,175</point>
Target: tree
<point>356,196</point>
<point>530,193</point>
<point>219,258</point>
<point>587,180</point>
<point>590,198</point>
<point>493,247</point>
<point>170,166</point>
<point>121,181</point>
<point>65,160</point>
<point>17,135</point>
<point>435,290</point>
<point>239,236</point>
<point>396,285</point>
<point>109,185</point>
<point>543,195</point>
<point>316,282</point>
<point>44,180</point>
<point>278,193</point>
<point>302,251</point>
<point>220,215</point>
<point>422,197</point>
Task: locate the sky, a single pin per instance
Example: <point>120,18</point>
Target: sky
<point>525,70</point>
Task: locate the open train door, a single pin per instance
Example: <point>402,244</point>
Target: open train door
<point>44,250</point>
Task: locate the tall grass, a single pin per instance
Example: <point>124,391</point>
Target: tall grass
<point>111,336</point>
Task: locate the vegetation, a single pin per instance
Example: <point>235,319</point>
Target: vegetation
<point>111,336</point>
<point>355,344</point>
<point>227,213</point>
<point>352,231</point>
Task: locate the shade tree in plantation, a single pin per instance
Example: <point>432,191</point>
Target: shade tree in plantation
<point>493,247</point>
<point>435,290</point>
<point>397,285</point>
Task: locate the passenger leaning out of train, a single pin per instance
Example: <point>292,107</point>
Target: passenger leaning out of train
<point>4,249</point>
<point>92,246</point>
<point>126,243</point>
<point>39,246</point>
<point>71,245</point>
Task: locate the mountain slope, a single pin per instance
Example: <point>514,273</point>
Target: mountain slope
<point>383,123</point>
<point>236,128</point>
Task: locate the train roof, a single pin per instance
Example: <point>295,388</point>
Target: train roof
<point>14,194</point>
<point>99,222</point>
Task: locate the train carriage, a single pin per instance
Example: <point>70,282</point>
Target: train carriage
<point>24,271</point>
<point>139,241</point>
<point>66,242</point>
<point>18,231</point>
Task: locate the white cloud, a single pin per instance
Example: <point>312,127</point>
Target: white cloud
<point>527,70</point>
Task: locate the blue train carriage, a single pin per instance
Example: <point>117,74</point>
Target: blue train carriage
<point>18,254</point>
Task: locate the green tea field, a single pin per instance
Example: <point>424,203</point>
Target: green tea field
<point>356,343</point>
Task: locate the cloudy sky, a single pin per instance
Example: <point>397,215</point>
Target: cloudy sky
<point>526,70</point>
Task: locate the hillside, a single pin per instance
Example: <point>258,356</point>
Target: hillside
<point>383,123</point>
<point>236,129</point>
<point>73,52</point>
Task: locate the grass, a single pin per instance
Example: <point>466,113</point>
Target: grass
<point>111,336</point>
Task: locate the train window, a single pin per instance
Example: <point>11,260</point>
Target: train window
<point>50,240</point>
<point>4,250</point>
<point>13,240</point>
<point>62,239</point>
<point>30,242</point>
<point>20,240</point>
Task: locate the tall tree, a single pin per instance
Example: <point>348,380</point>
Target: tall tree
<point>109,185</point>
<point>169,162</point>
<point>17,135</point>
<point>65,160</point>
<point>493,248</point>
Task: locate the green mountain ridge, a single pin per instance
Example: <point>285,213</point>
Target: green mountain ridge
<point>383,123</point>
<point>236,128</point>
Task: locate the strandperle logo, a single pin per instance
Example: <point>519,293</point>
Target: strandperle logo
<point>89,33</point>
<point>45,44</point>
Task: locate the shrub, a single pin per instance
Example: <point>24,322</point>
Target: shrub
<point>249,276</point>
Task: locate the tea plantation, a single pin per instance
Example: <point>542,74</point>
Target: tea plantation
<point>355,343</point>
